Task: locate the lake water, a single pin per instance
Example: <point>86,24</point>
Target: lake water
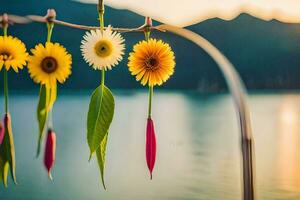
<point>198,148</point>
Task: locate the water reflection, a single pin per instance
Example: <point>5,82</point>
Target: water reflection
<point>127,165</point>
<point>198,149</point>
<point>288,144</point>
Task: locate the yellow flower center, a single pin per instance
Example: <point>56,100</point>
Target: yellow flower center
<point>5,56</point>
<point>152,63</point>
<point>103,48</point>
<point>49,65</point>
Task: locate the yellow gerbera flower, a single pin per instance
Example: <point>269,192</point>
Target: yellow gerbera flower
<point>49,63</point>
<point>152,62</point>
<point>12,53</point>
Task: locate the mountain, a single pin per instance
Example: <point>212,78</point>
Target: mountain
<point>266,54</point>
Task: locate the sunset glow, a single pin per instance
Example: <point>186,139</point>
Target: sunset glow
<point>193,11</point>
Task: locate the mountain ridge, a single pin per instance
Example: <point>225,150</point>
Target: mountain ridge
<point>265,53</point>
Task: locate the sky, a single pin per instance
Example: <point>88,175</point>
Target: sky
<point>189,12</point>
<point>265,53</point>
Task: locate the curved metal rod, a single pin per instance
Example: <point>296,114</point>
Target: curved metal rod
<point>40,19</point>
<point>50,17</point>
<point>238,92</point>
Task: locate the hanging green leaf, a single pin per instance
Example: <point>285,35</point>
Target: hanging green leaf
<point>41,116</point>
<point>101,152</point>
<point>7,153</point>
<point>1,168</point>
<point>51,95</point>
<point>100,115</point>
<point>5,173</point>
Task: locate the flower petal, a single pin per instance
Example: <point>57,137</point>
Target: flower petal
<point>150,146</point>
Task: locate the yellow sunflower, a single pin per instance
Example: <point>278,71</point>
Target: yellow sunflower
<point>12,53</point>
<point>49,63</point>
<point>152,62</point>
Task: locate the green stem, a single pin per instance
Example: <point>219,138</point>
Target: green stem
<point>147,37</point>
<point>147,34</point>
<point>150,101</point>
<point>102,78</point>
<point>101,22</point>
<point>5,30</point>
<point>5,79</point>
<point>101,13</point>
<point>50,26</point>
<point>6,91</point>
<point>50,29</point>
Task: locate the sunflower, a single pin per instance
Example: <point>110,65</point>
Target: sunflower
<point>102,49</point>
<point>152,62</point>
<point>12,53</point>
<point>49,63</point>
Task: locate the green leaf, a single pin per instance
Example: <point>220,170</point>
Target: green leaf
<point>11,160</point>
<point>7,154</point>
<point>1,168</point>
<point>101,152</point>
<point>51,95</point>
<point>41,116</point>
<point>5,172</point>
<point>100,115</point>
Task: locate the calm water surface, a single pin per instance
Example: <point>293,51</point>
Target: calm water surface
<point>198,150</point>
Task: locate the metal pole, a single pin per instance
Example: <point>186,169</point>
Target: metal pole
<point>238,92</point>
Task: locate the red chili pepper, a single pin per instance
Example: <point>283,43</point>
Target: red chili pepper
<point>49,157</point>
<point>150,146</point>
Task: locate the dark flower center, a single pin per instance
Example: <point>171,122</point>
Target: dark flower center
<point>5,56</point>
<point>49,65</point>
<point>103,48</point>
<point>152,63</point>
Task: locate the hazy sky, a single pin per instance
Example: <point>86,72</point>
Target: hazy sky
<point>187,12</point>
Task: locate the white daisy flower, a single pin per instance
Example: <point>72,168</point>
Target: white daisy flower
<point>102,49</point>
